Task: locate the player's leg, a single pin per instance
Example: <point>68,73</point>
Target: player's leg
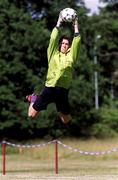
<point>62,104</point>
<point>65,117</point>
<point>31,99</point>
<point>40,102</point>
<point>31,111</point>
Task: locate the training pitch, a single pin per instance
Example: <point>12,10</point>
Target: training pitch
<point>39,163</point>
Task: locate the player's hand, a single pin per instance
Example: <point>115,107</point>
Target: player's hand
<point>60,20</point>
<point>76,25</point>
<point>60,16</point>
<point>75,21</point>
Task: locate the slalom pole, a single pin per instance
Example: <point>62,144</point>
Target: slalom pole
<point>56,156</point>
<point>4,157</point>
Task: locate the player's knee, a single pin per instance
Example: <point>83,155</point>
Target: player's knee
<point>31,115</point>
<point>32,112</point>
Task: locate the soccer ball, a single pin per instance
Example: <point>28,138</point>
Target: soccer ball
<point>68,14</point>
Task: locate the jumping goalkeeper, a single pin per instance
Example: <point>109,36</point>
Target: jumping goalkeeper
<point>62,55</point>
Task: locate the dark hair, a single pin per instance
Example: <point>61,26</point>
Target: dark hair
<point>64,37</point>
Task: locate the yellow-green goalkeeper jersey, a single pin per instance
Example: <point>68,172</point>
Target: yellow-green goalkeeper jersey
<point>60,65</point>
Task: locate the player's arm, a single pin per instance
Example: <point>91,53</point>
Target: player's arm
<point>60,20</point>
<point>76,26</point>
<point>53,44</point>
<point>76,40</point>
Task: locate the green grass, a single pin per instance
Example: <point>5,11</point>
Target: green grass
<point>35,162</point>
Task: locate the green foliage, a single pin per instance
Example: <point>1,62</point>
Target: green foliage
<point>23,43</point>
<point>107,126</point>
<point>23,66</point>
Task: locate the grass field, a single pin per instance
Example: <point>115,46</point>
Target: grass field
<point>39,163</point>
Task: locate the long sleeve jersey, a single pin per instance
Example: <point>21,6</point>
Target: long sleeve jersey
<point>60,65</point>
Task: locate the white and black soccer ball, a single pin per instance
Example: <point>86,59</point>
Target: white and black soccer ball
<point>68,14</point>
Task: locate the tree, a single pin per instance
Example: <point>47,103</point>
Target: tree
<point>23,42</point>
<point>24,37</point>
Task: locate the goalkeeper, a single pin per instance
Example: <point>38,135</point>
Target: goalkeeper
<point>62,55</point>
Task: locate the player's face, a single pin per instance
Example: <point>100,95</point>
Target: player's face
<point>64,45</point>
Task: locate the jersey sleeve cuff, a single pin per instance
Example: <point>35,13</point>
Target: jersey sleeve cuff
<point>76,34</point>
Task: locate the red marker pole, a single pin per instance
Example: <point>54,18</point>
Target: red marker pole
<point>4,156</point>
<point>56,157</point>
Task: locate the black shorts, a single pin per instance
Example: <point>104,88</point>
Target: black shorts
<point>57,95</point>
